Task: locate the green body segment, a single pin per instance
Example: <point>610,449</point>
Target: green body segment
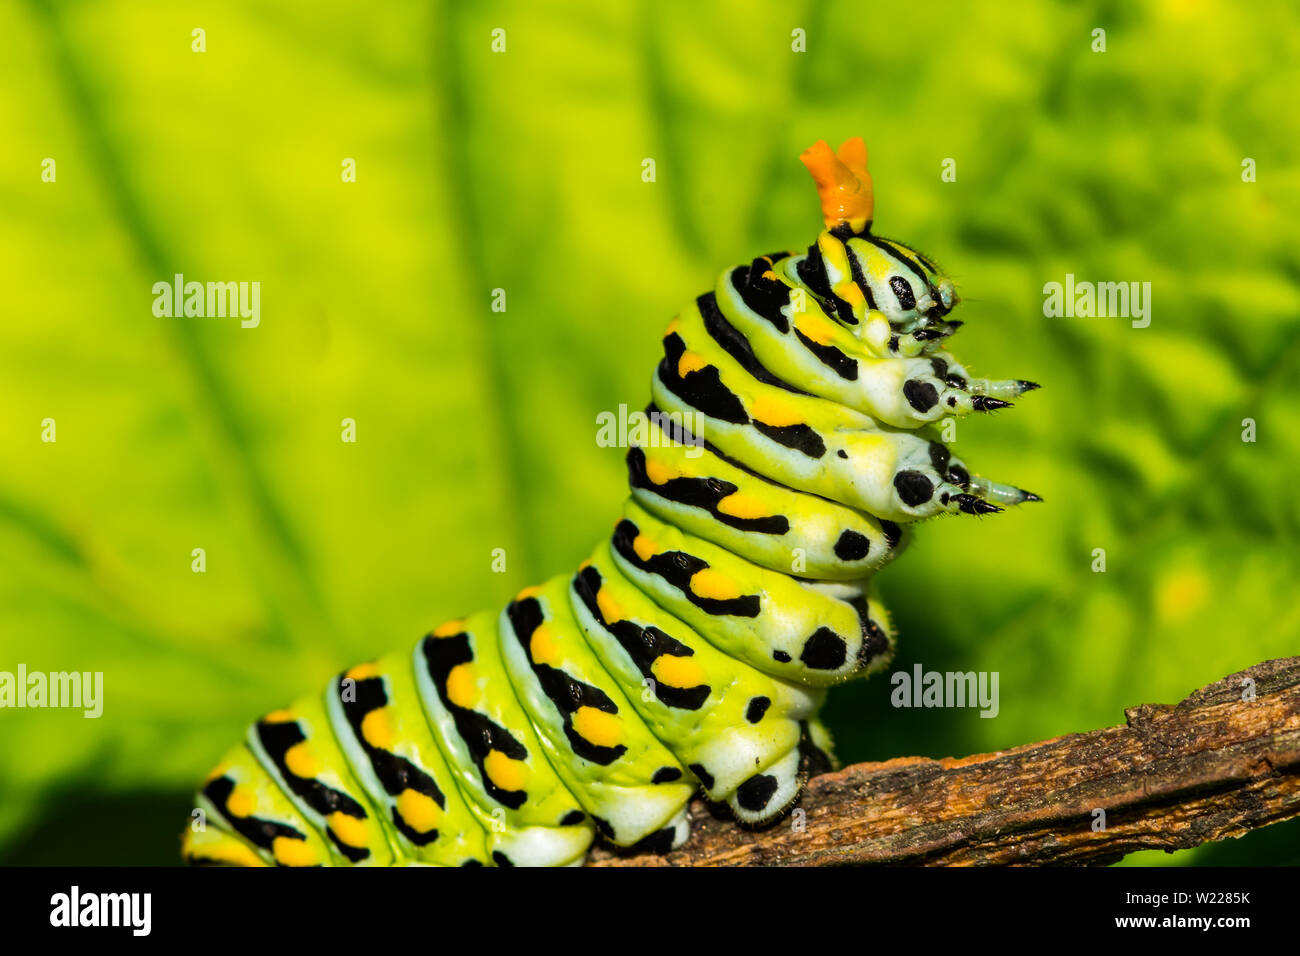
<point>787,452</point>
<point>703,494</point>
<point>500,765</point>
<point>379,720</point>
<point>808,344</point>
<point>625,778</point>
<point>725,720</point>
<point>804,442</point>
<point>765,618</point>
<point>241,802</point>
<point>299,750</point>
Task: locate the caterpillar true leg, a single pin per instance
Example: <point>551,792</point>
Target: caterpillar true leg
<point>999,493</point>
<point>790,445</point>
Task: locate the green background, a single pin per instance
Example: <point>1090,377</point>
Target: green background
<point>476,430</point>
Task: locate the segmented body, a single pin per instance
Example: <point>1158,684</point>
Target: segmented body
<point>787,453</point>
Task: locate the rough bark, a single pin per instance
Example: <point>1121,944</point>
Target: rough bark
<point>1224,761</point>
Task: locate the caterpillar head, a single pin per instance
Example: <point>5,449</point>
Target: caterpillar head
<point>907,286</point>
<point>899,282</point>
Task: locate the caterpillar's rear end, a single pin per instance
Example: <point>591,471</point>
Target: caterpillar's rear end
<point>787,449</point>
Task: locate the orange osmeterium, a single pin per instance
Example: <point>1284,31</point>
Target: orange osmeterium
<point>842,182</point>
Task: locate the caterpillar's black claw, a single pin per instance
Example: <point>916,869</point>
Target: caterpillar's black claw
<point>975,506</point>
<point>1029,496</point>
<point>1027,386</point>
<point>983,403</point>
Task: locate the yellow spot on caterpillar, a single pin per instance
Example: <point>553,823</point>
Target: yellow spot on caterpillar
<point>290,851</point>
<point>769,274</point>
<point>741,505</point>
<point>644,547</point>
<point>598,727</point>
<point>673,326</point>
<point>690,362</point>
<point>610,609</point>
<point>585,565</point>
<point>351,830</point>
<point>505,773</point>
<point>660,472</point>
<point>282,716</point>
<point>709,583</point>
<point>241,802</point>
<point>542,647</point>
<point>866,447</point>
<point>531,591</point>
<point>302,761</point>
<point>875,263</point>
<point>377,728</point>
<point>850,293</point>
<point>224,849</point>
<point>236,854</point>
<point>363,671</point>
<point>774,411</point>
<point>677,671</point>
<point>419,810</point>
<point>462,686</point>
<point>836,255</point>
<point>816,327</point>
<point>449,629</point>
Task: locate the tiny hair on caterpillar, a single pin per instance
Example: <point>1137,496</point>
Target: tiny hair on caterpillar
<point>791,451</point>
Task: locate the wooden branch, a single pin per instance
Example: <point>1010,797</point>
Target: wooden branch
<point>1215,766</point>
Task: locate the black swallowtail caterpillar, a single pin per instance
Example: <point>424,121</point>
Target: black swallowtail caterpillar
<point>692,651</point>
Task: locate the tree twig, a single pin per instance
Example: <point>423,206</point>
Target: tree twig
<point>1224,761</point>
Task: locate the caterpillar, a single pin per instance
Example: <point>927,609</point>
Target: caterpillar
<point>790,447</point>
